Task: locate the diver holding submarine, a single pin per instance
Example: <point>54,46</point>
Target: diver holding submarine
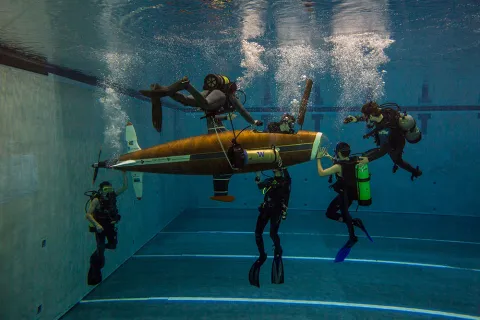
<point>218,96</point>
<point>352,183</point>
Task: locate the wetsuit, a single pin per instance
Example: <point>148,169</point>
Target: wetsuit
<point>277,195</point>
<point>217,101</point>
<point>390,138</point>
<point>346,187</point>
<point>274,127</point>
<point>107,216</point>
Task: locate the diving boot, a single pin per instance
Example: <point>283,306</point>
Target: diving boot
<point>416,174</point>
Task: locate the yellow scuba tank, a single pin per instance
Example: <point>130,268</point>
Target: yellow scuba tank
<point>215,81</point>
<point>91,194</point>
<point>261,156</point>
<point>363,185</point>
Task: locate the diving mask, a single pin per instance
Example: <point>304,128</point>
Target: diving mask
<point>107,189</point>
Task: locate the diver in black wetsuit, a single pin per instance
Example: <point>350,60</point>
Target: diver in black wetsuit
<point>217,97</point>
<point>273,209</point>
<point>390,130</point>
<point>344,168</point>
<point>103,216</point>
<point>285,125</point>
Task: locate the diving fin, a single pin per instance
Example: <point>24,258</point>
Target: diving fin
<point>359,224</point>
<point>345,250</point>
<point>95,272</point>
<point>277,270</point>
<point>254,273</point>
<point>157,113</point>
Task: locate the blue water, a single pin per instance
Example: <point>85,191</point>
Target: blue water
<point>424,262</point>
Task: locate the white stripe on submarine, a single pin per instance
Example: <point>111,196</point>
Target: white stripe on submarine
<point>146,162</point>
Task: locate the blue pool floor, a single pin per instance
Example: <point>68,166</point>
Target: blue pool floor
<point>419,267</point>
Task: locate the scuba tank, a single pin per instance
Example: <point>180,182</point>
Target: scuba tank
<point>91,195</point>
<point>359,177</point>
<point>409,126</point>
<point>362,176</point>
<point>407,123</point>
<point>110,203</point>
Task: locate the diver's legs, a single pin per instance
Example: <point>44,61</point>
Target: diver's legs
<point>262,221</point>
<point>278,275</point>
<point>111,234</point>
<point>345,203</point>
<point>215,100</point>
<point>396,156</point>
<point>162,91</point>
<point>100,252</point>
<point>97,261</point>
<point>341,203</point>
<point>334,208</point>
<point>254,273</point>
<point>274,226</point>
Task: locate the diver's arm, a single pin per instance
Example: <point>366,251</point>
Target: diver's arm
<point>351,118</point>
<point>241,109</point>
<point>360,118</point>
<point>89,216</point>
<point>329,171</point>
<point>125,185</point>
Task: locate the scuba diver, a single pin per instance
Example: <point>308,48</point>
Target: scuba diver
<point>390,130</point>
<point>103,217</point>
<point>218,96</point>
<point>273,208</point>
<point>285,125</point>
<point>347,187</point>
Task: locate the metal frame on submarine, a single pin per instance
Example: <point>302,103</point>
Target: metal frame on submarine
<point>220,154</point>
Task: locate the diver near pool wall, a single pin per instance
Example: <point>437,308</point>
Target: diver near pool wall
<point>274,209</point>
<point>218,96</point>
<point>352,183</point>
<point>390,131</point>
<point>103,217</point>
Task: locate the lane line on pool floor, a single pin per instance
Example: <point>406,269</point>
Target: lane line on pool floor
<point>317,303</point>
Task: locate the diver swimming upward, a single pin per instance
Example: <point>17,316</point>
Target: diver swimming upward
<point>218,96</point>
